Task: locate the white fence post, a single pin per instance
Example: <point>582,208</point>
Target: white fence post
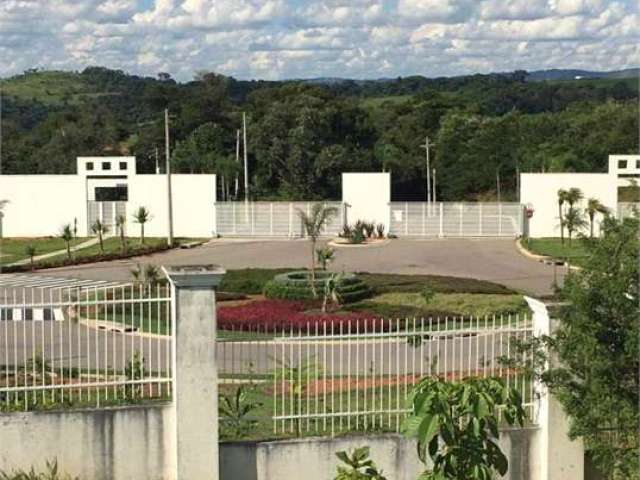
<point>500,219</point>
<point>441,219</point>
<point>195,382</point>
<point>406,218</point>
<point>290,220</point>
<point>555,456</point>
<point>423,219</point>
<point>271,218</point>
<point>480,218</point>
<point>253,218</point>
<point>233,211</point>
<point>461,212</point>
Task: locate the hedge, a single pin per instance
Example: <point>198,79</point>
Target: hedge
<point>296,286</point>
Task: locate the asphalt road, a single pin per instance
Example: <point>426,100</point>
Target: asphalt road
<point>495,260</point>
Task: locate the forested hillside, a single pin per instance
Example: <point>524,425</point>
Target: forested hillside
<point>302,135</point>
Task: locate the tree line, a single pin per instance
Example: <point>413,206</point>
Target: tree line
<point>302,135</point>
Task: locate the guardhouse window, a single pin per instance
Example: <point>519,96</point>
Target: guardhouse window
<point>123,165</point>
<point>119,193</point>
<point>106,165</point>
<point>637,163</point>
<point>622,164</point>
<point>89,165</point>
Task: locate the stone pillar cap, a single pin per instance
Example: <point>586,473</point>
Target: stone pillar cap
<point>194,275</point>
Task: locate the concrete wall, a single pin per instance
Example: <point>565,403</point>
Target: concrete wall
<point>314,458</point>
<point>368,196</point>
<point>540,190</point>
<point>102,444</point>
<point>40,204</point>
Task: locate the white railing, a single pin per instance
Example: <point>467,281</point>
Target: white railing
<point>84,345</point>
<point>269,219</point>
<point>420,219</point>
<point>358,376</point>
<point>627,209</point>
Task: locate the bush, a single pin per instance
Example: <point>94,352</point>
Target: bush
<point>297,286</point>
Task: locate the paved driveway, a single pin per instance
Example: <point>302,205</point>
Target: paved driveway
<point>496,260</point>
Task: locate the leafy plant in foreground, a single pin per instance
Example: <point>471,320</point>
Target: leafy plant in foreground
<point>234,411</point>
<point>358,466</point>
<point>456,425</point>
<point>50,473</point>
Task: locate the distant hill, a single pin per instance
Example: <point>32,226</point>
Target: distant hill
<point>572,74</point>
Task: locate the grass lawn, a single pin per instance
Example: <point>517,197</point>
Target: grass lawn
<point>576,253</point>
<point>13,249</point>
<point>456,304</point>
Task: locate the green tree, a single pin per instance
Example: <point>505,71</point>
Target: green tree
<point>121,222</point>
<point>100,229</point>
<point>573,221</point>
<point>597,349</point>
<point>562,198</point>
<point>594,206</point>
<point>456,425</point>
<point>313,224</point>
<point>30,251</point>
<point>357,466</point>
<point>66,234</point>
<point>142,216</point>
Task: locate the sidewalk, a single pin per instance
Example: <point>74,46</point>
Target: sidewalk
<point>26,261</point>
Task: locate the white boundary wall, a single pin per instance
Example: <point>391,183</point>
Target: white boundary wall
<point>540,190</point>
<point>367,197</point>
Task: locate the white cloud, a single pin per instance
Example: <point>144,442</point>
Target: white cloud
<point>293,39</point>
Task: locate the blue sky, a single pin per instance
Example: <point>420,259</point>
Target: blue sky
<point>276,39</point>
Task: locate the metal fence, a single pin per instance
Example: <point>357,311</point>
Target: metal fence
<point>83,345</point>
<point>269,219</point>
<point>421,219</point>
<point>106,212</point>
<point>357,375</point>
<point>627,209</point>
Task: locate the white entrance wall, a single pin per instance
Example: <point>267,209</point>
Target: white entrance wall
<point>367,196</point>
<point>40,204</point>
<point>540,190</point>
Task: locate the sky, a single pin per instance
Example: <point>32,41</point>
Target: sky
<point>283,39</point>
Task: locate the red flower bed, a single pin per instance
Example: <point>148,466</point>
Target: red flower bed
<point>283,315</point>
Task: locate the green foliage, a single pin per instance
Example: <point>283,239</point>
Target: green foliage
<point>30,251</point>
<point>597,347</point>
<point>358,466</point>
<point>135,370</point>
<point>141,216</point>
<point>100,229</point>
<point>346,287</point>
<point>380,230</point>
<point>573,221</point>
<point>427,293</point>
<point>234,411</point>
<point>66,234</point>
<point>50,473</point>
<point>146,276</point>
<point>325,255</point>
<point>456,425</point>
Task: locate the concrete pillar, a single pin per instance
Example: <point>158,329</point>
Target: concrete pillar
<point>195,387</point>
<point>554,456</point>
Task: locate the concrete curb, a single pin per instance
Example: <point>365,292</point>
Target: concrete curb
<point>542,258</point>
<point>334,243</point>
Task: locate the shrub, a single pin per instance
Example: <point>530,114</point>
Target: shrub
<point>380,230</point>
<point>357,237</point>
<point>427,293</point>
<point>368,228</point>
<point>296,286</point>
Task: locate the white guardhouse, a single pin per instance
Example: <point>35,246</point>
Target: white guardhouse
<point>103,188</point>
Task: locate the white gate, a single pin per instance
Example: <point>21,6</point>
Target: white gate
<point>269,219</point>
<point>106,212</point>
<point>421,219</point>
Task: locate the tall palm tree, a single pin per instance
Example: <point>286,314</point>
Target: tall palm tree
<point>100,229</point>
<point>142,216</point>
<point>121,221</point>
<point>562,197</point>
<point>574,195</point>
<point>593,207</point>
<point>66,234</point>
<point>574,221</point>
<point>313,224</point>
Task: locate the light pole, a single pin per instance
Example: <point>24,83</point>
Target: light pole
<point>427,145</point>
<point>169,199</point>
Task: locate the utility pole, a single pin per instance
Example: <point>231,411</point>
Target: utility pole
<point>237,185</point>
<point>169,199</point>
<point>157,162</point>
<point>246,168</point>
<point>434,185</point>
<point>427,145</point>
<point>498,183</point>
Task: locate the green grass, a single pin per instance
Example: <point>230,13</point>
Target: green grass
<point>112,245</point>
<point>452,304</point>
<point>575,253</point>
<point>13,249</point>
<point>52,87</point>
<point>390,282</point>
<point>249,281</point>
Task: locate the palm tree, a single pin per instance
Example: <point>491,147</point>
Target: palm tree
<point>562,197</point>
<point>100,229</point>
<point>146,275</point>
<point>66,234</point>
<point>121,221</point>
<point>30,251</point>
<point>574,195</point>
<point>142,216</point>
<point>594,206</point>
<point>574,221</point>
<point>313,224</point>
<point>3,204</point>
